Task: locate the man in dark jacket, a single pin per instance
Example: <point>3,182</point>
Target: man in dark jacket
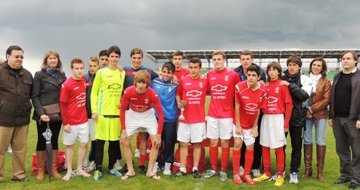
<point>345,119</point>
<point>15,109</point>
<point>300,89</point>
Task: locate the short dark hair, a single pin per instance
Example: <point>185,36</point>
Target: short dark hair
<point>294,59</point>
<point>254,68</point>
<point>136,51</point>
<point>114,49</point>
<point>76,61</point>
<point>177,53</point>
<point>354,54</point>
<point>195,60</point>
<point>323,64</point>
<point>103,52</point>
<point>13,47</point>
<point>274,65</point>
<point>247,52</point>
<point>169,65</point>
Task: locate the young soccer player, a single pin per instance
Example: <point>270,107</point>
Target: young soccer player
<point>249,96</point>
<point>74,117</point>
<point>167,94</point>
<point>221,85</point>
<point>191,95</point>
<point>275,122</point>
<point>141,118</point>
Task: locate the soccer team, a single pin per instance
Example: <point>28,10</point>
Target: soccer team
<point>247,106</point>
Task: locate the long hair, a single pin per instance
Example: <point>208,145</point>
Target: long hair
<point>47,55</point>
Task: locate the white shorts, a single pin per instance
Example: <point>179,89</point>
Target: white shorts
<point>91,129</point>
<point>140,122</point>
<point>246,136</point>
<point>272,131</point>
<point>79,132</point>
<point>219,128</point>
<point>193,133</point>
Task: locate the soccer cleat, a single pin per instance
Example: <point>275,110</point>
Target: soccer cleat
<point>97,175</point>
<point>248,180</point>
<point>223,176</point>
<point>179,174</point>
<point>196,174</point>
<point>91,167</point>
<point>167,170</point>
<point>293,178</point>
<point>142,170</point>
<point>209,174</point>
<point>117,165</point>
<point>256,172</point>
<point>237,179</point>
<point>279,181</point>
<point>115,172</point>
<point>124,169</point>
<point>262,178</point>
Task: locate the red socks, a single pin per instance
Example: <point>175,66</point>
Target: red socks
<point>236,161</point>
<point>142,159</point>
<point>280,160</point>
<point>249,158</point>
<point>225,158</point>
<point>266,160</point>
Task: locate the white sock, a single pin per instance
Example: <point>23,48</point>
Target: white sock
<point>183,169</point>
<point>195,168</point>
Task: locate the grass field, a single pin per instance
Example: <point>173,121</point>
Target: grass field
<point>188,182</point>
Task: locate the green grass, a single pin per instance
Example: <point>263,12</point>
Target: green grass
<point>188,182</point>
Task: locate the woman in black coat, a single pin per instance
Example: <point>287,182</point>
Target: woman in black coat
<point>46,92</point>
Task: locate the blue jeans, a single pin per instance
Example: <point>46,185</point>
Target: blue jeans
<point>320,129</point>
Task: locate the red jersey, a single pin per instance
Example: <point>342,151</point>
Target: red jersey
<point>193,91</point>
<point>141,103</point>
<point>278,100</point>
<point>181,73</point>
<point>73,102</point>
<point>221,85</point>
<point>250,102</point>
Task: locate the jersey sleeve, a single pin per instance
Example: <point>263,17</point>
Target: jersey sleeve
<point>237,93</point>
<point>158,108</point>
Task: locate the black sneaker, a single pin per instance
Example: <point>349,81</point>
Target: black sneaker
<point>342,180</point>
<point>354,185</point>
<point>196,174</point>
<point>179,174</point>
<point>142,170</point>
<point>124,169</point>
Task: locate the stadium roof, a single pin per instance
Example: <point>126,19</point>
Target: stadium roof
<point>165,55</point>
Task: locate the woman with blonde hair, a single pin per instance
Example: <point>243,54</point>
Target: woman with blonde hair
<point>46,94</point>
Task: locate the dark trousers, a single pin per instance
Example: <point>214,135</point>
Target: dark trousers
<point>296,136</point>
<point>257,150</point>
<point>92,151</point>
<point>168,138</point>
<point>347,140</point>
<point>55,130</point>
<point>114,148</point>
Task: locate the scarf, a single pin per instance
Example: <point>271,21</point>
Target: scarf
<point>54,73</point>
<point>315,79</point>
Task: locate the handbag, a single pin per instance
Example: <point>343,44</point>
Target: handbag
<point>53,111</point>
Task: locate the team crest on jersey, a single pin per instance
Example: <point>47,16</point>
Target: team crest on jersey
<point>146,101</point>
<point>277,90</point>
<point>201,85</point>
<point>226,78</point>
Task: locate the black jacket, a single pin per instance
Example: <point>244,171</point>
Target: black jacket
<point>239,70</point>
<point>46,91</point>
<point>355,96</point>
<point>15,94</point>
<point>300,90</point>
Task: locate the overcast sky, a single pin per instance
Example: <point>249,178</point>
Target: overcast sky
<point>82,28</point>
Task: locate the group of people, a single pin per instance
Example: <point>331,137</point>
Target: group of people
<point>255,107</point>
